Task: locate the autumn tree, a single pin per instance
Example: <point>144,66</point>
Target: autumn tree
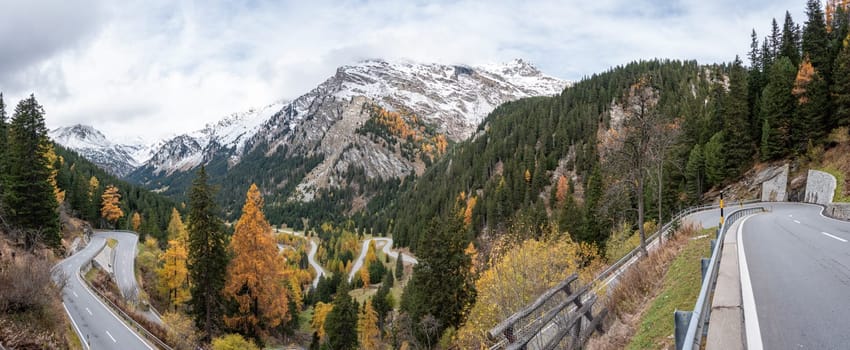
<point>368,334</point>
<point>28,192</point>
<point>207,256</point>
<point>137,221</point>
<point>110,208</point>
<point>518,276</point>
<point>255,276</point>
<point>320,313</point>
<point>811,122</point>
<point>174,274</point>
<point>176,228</point>
<point>233,342</point>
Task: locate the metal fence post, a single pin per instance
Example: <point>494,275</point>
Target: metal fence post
<point>704,262</point>
<point>681,320</point>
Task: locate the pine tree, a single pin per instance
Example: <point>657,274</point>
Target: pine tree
<point>777,109</point>
<point>790,45</point>
<point>816,40</point>
<point>715,160</point>
<point>441,285</point>
<point>841,85</point>
<point>736,124</point>
<point>381,302</point>
<point>594,229</point>
<point>695,172</point>
<point>811,122</point>
<point>399,267</point>
<point>110,208</point>
<point>775,40</point>
<point>174,275</point>
<point>754,87</point>
<point>368,334</point>
<point>29,195</point>
<point>341,322</point>
<point>4,145</point>
<point>255,276</point>
<point>207,261</point>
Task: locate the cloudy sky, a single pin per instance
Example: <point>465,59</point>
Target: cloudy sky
<point>154,68</point>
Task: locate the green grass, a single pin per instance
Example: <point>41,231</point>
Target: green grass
<point>72,338</point>
<point>91,274</point>
<point>680,290</point>
<point>839,184</point>
<point>304,319</point>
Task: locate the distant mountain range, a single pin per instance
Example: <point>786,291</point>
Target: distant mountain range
<point>384,119</point>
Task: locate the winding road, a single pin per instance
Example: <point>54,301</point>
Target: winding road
<point>799,267</point>
<point>97,326</point>
<point>388,245</point>
<point>311,256</point>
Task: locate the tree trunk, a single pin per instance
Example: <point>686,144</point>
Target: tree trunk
<point>641,214</point>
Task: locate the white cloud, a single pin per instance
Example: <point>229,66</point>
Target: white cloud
<point>155,68</point>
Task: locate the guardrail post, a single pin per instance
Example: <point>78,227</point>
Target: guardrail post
<point>681,320</point>
<point>713,245</point>
<point>704,266</point>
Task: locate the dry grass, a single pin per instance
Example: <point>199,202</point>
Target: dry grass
<point>636,289</point>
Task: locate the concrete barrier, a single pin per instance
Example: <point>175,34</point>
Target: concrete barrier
<point>820,187</point>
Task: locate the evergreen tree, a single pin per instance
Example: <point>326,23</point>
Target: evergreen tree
<point>736,124</point>
<point>441,285</point>
<point>775,40</point>
<point>341,322</point>
<point>399,267</point>
<point>594,229</point>
<point>816,40</point>
<point>715,159</point>
<point>695,172</point>
<point>841,85</point>
<point>381,300</point>
<point>29,194</point>
<point>790,45</point>
<point>3,146</point>
<point>755,85</point>
<point>811,122</point>
<point>777,109</point>
<point>207,256</point>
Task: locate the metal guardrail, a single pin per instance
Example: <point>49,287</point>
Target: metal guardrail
<point>702,309</point>
<point>132,322</point>
<point>601,280</point>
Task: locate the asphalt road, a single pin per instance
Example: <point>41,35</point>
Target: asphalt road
<point>799,266</point>
<point>123,266</point>
<point>388,245</point>
<point>311,256</point>
<point>92,320</point>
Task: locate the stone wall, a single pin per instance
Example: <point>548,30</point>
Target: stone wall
<point>775,186</point>
<point>820,187</point>
<point>838,210</point>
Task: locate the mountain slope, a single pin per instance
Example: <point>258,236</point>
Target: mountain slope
<point>370,122</point>
<point>117,159</point>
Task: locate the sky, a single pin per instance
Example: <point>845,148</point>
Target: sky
<point>151,69</point>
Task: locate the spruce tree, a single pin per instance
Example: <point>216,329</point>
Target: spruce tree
<point>30,200</point>
<point>341,322</point>
<point>816,40</point>
<point>715,159</point>
<point>399,267</point>
<point>790,45</point>
<point>841,85</point>
<point>775,40</point>
<point>736,122</point>
<point>3,147</point>
<point>777,108</point>
<point>810,123</point>
<point>594,229</point>
<point>695,173</point>
<point>754,86</point>
<point>441,285</point>
<point>207,256</point>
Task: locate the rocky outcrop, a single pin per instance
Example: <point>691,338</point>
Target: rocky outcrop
<point>820,187</point>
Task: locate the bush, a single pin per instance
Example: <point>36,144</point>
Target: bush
<point>233,342</point>
<point>31,313</point>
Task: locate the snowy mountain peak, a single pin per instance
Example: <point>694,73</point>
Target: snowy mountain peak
<point>118,159</point>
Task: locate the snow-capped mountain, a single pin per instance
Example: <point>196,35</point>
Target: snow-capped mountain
<point>117,159</point>
<point>342,125</point>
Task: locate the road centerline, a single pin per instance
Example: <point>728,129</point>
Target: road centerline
<point>111,337</point>
<point>797,221</point>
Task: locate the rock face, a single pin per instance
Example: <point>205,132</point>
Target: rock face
<point>381,119</point>
<point>820,187</point>
<point>117,159</point>
<point>774,184</point>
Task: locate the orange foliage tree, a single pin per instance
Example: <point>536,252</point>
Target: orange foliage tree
<point>137,221</point>
<point>110,208</point>
<point>255,276</point>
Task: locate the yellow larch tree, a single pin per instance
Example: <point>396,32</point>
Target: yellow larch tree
<point>804,76</point>
<point>320,313</point>
<point>110,208</point>
<point>562,189</point>
<point>137,221</point>
<point>368,334</point>
<point>255,276</point>
<point>174,274</point>
<point>93,185</point>
<point>55,162</point>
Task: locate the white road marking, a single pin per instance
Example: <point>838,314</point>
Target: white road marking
<point>110,337</point>
<point>77,328</point>
<point>790,216</point>
<point>75,294</point>
<point>836,237</point>
<point>751,320</point>
<point>797,221</point>
<point>89,311</point>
